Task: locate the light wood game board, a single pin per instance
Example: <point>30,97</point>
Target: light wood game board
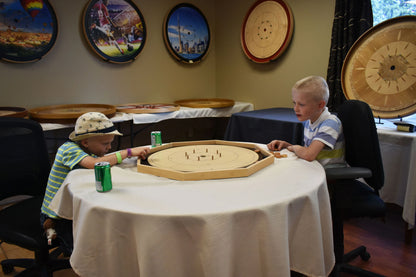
<point>210,159</point>
<point>203,157</point>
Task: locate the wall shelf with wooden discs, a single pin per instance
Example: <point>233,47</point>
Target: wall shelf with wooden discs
<point>267,30</point>
<point>205,159</point>
<point>380,68</point>
<point>147,108</point>
<point>68,113</point>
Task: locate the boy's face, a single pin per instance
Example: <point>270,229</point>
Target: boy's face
<point>305,106</point>
<point>99,145</point>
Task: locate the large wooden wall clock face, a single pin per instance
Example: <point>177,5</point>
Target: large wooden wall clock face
<point>267,30</point>
<point>380,68</point>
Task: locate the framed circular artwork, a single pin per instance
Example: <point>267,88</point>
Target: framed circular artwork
<point>28,30</point>
<point>115,29</point>
<point>267,30</point>
<point>380,68</point>
<point>186,33</point>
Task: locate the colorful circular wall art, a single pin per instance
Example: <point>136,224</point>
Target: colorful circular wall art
<point>115,29</point>
<point>28,30</point>
<point>186,33</point>
<point>267,30</point>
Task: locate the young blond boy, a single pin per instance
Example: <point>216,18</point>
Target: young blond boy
<point>323,138</point>
<point>88,144</point>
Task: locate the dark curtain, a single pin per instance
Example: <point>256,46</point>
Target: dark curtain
<point>352,18</point>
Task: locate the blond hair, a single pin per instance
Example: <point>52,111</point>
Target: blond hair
<point>315,86</point>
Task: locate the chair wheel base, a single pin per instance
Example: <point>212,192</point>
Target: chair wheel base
<point>365,256</point>
<point>7,268</point>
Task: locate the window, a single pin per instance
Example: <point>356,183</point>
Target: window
<point>386,9</point>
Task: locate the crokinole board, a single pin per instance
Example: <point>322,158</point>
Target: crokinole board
<point>68,113</point>
<point>147,108</point>
<point>209,159</point>
<point>267,30</point>
<point>13,112</point>
<point>206,103</point>
<point>380,68</point>
<point>193,158</point>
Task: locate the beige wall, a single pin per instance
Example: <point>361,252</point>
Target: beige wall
<point>72,73</point>
<point>269,85</point>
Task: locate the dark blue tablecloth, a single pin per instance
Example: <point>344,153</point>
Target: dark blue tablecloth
<point>263,126</point>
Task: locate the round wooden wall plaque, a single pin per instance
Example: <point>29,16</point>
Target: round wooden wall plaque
<point>380,68</point>
<point>206,103</point>
<point>68,113</point>
<point>267,30</point>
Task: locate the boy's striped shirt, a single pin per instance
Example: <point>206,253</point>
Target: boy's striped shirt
<point>66,159</point>
<point>328,130</point>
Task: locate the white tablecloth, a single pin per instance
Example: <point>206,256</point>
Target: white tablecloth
<point>275,220</point>
<point>399,160</point>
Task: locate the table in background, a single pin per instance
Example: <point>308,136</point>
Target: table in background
<point>263,126</point>
<point>266,224</point>
<point>182,125</point>
<point>185,124</point>
<point>398,150</point>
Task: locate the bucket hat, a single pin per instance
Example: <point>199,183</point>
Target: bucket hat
<point>93,124</point>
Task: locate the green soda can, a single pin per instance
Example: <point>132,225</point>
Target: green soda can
<point>103,176</point>
<point>156,138</point>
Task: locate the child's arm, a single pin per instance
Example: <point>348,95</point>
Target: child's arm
<point>307,153</point>
<point>89,161</point>
<point>278,145</point>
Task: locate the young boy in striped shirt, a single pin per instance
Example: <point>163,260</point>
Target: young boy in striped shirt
<point>323,138</point>
<point>88,144</point>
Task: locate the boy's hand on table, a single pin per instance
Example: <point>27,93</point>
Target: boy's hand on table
<point>277,145</point>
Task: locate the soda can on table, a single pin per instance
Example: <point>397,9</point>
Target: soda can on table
<point>103,176</point>
<point>156,138</point>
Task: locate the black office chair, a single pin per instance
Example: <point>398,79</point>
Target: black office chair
<point>24,170</point>
<point>350,197</point>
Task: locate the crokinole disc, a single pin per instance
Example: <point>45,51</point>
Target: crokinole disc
<point>380,68</point>
<point>192,158</point>
<point>267,30</point>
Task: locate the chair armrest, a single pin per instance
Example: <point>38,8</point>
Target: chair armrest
<point>337,173</point>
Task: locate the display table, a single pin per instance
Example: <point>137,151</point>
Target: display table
<point>267,224</point>
<point>119,117</point>
<point>398,151</point>
<point>184,124</point>
<point>263,126</point>
<point>185,112</point>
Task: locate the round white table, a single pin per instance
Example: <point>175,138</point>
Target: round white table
<point>269,223</point>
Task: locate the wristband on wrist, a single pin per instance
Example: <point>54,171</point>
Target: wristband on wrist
<point>129,154</point>
<point>119,158</point>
